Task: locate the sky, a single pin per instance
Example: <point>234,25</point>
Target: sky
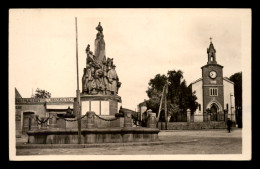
<point>143,43</point>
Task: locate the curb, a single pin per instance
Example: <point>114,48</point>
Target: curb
<point>73,146</point>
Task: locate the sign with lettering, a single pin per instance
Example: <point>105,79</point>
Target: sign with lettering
<point>40,100</point>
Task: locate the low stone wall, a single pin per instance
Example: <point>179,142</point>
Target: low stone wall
<point>93,135</point>
<point>98,123</point>
<point>192,126</point>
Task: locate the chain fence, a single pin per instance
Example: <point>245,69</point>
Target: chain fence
<point>142,122</point>
<point>71,120</point>
<point>39,121</point>
<point>106,119</point>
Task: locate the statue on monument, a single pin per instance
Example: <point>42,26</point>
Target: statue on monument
<point>89,79</point>
<point>105,78</point>
<point>84,81</point>
<point>99,28</point>
<point>100,51</point>
<point>99,76</point>
<point>113,79</point>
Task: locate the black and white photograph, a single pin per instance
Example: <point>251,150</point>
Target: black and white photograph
<point>129,84</point>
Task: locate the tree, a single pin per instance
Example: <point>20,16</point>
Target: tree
<point>237,79</point>
<point>154,92</point>
<point>179,96</point>
<point>42,93</point>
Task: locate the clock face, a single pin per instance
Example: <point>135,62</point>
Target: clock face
<point>212,74</point>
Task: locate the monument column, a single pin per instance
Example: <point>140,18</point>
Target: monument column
<point>101,82</point>
<point>100,51</point>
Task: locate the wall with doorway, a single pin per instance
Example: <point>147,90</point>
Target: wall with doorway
<point>38,109</point>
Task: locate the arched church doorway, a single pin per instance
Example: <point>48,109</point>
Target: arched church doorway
<point>26,122</point>
<point>214,112</point>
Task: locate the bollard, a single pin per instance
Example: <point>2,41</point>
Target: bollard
<point>44,125</point>
<point>152,120</point>
<point>34,125</point>
<point>90,119</point>
<point>128,119</point>
<point>188,115</point>
<point>53,120</point>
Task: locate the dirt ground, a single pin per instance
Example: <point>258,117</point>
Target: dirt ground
<point>214,141</point>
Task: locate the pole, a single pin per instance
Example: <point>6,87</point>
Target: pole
<point>165,109</point>
<point>78,91</point>
<point>231,106</point>
<point>158,116</point>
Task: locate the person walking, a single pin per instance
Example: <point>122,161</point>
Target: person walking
<point>229,123</point>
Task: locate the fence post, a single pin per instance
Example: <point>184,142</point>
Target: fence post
<point>188,115</point>
<point>90,119</point>
<point>53,120</point>
<point>127,119</point>
<point>152,120</point>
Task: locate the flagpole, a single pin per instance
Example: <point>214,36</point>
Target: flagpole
<point>78,109</point>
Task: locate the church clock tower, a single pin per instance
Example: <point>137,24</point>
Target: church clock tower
<point>212,83</point>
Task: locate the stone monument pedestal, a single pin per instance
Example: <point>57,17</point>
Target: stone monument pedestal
<point>105,106</point>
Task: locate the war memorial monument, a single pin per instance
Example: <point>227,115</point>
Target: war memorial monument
<point>101,121</point>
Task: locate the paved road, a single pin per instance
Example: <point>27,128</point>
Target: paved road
<point>181,142</point>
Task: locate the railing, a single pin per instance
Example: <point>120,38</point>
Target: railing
<point>35,121</point>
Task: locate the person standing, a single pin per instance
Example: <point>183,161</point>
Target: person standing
<point>229,123</point>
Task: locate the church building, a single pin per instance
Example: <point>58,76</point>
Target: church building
<point>215,93</point>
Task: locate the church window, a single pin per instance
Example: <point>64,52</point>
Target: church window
<point>199,107</point>
<point>213,92</point>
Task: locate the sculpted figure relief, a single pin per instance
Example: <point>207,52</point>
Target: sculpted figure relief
<point>99,76</point>
<point>113,79</point>
<point>105,78</point>
<point>84,80</point>
<point>89,80</point>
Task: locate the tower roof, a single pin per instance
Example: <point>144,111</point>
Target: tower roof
<point>211,48</point>
<point>211,51</point>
